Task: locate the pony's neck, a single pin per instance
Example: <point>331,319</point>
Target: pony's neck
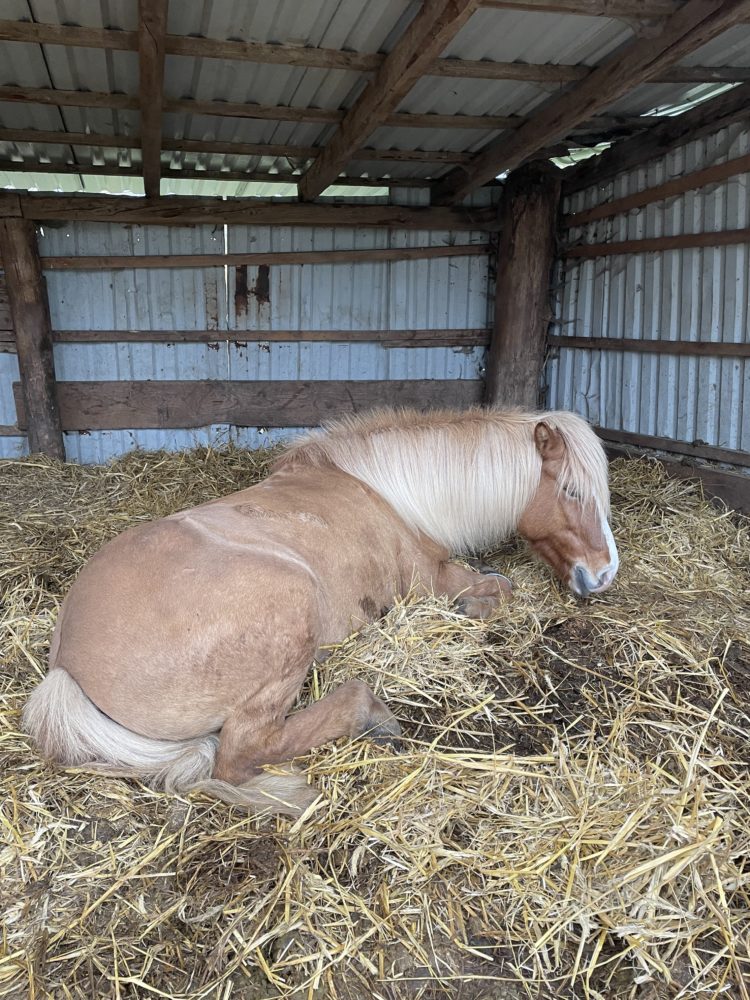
<point>464,482</point>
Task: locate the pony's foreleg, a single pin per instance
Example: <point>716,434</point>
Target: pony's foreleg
<point>247,742</point>
<point>475,595</point>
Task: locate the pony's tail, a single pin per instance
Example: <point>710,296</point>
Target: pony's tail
<point>68,727</point>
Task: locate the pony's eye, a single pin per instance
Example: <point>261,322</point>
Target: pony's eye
<point>571,494</point>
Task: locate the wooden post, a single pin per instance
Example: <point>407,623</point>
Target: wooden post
<point>27,294</point>
<point>152,30</point>
<point>528,220</point>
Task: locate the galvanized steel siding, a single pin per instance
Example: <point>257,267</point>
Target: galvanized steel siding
<point>440,293</point>
<point>688,294</point>
<point>399,295</point>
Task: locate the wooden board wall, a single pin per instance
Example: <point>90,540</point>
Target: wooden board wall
<point>6,321</point>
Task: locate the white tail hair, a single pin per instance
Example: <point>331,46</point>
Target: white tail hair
<point>68,727</point>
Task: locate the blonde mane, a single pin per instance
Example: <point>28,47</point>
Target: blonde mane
<point>461,477</point>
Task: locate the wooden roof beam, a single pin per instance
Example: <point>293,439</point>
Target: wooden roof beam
<point>152,30</point>
<point>181,211</point>
<point>623,9</point>
<point>690,27</point>
<point>225,109</point>
<point>192,173</point>
<point>433,27</point>
<point>230,148</point>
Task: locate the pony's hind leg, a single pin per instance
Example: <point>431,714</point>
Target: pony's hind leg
<point>247,741</point>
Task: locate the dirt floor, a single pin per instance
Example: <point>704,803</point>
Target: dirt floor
<point>569,815</point>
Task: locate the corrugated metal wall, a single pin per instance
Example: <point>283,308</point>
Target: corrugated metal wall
<point>687,294</point>
<point>438,293</point>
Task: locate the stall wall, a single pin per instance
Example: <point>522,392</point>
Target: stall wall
<point>697,294</point>
<point>440,293</point>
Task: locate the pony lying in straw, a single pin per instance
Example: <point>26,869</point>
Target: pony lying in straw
<point>183,644</point>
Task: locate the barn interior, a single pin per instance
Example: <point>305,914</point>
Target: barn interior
<point>222,223</point>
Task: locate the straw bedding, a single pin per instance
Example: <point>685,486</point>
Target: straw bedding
<point>569,817</point>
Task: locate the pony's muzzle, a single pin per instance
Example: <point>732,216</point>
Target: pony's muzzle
<point>583,583</point>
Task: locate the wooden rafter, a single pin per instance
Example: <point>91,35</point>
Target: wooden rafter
<point>192,173</point>
<point>68,98</point>
<point>336,59</point>
<point>433,27</point>
<point>693,25</point>
<point>152,30</point>
<point>551,73</point>
<point>229,148</point>
<point>254,149</point>
<point>226,109</point>
<point>627,9</point>
<point>705,118</point>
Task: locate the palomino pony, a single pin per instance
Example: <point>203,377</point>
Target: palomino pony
<point>183,643</point>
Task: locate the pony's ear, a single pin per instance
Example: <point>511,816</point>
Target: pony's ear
<point>549,442</point>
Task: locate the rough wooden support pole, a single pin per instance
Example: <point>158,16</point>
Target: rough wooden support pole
<point>528,218</point>
<point>27,295</point>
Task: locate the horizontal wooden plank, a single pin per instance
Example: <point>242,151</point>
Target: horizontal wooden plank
<point>477,337</point>
<point>687,182</point>
<point>180,211</point>
<point>727,237</point>
<point>730,488</point>
<point>121,405</point>
<point>707,451</point>
<point>11,430</point>
<point>701,348</point>
<point>281,258</point>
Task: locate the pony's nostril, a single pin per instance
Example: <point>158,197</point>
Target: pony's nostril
<point>582,581</point>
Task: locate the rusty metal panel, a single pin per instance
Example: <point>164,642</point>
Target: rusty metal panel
<point>688,294</point>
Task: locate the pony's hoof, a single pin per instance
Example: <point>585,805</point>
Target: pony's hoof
<point>385,733</point>
<point>486,570</point>
<point>477,608</point>
<point>505,583</point>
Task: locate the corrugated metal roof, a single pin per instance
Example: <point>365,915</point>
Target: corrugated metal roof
<point>354,25</point>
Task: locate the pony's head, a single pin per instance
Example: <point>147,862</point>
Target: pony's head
<point>565,522</point>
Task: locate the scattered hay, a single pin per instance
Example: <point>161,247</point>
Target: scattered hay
<point>570,817</point>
